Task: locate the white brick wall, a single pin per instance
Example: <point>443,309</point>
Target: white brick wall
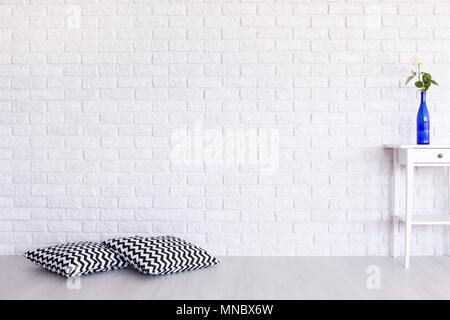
<point>91,92</point>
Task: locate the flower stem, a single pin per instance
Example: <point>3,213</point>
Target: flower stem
<point>418,68</point>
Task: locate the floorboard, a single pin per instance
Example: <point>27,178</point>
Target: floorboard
<point>241,278</point>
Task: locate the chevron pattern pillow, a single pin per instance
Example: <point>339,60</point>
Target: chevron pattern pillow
<point>161,255</point>
<point>76,259</point>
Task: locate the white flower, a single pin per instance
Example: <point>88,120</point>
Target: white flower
<point>417,60</point>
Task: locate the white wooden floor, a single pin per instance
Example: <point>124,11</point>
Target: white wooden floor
<point>241,278</point>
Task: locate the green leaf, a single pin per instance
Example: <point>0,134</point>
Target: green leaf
<point>427,85</point>
<point>426,77</point>
<point>409,79</point>
<point>419,84</point>
<point>434,82</point>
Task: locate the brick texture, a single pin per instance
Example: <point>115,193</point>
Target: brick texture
<point>91,93</point>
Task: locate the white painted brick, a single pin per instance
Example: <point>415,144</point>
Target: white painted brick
<point>222,22</point>
<point>134,227</point>
<point>257,21</point>
<point>86,215</point>
<point>205,34</point>
<point>66,226</point>
<point>224,238</point>
<point>63,202</point>
<point>187,215</point>
<point>204,9</point>
<point>48,238</point>
<point>149,214</point>
<point>308,9</point>
<point>244,250</point>
<point>393,21</point>
<point>205,227</point>
<point>325,238</point>
<point>275,227</point>
<point>32,226</point>
<point>169,203</point>
<point>328,21</point>
<point>279,250</point>
<point>311,227</point>
<point>100,227</point>
<point>293,21</point>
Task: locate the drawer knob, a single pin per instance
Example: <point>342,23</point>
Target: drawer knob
<point>440,155</point>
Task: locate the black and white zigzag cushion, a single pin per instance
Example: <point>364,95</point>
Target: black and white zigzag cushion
<point>161,255</point>
<point>76,259</point>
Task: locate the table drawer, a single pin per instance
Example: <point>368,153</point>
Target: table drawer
<point>430,155</point>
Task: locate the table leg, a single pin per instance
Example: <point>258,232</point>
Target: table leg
<point>409,211</point>
<point>448,206</point>
<point>396,206</point>
<point>395,237</point>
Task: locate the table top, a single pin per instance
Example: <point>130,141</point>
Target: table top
<point>417,146</point>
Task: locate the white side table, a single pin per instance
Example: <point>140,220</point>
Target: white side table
<point>410,156</point>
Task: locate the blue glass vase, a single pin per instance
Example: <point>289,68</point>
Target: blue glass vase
<point>423,121</point>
